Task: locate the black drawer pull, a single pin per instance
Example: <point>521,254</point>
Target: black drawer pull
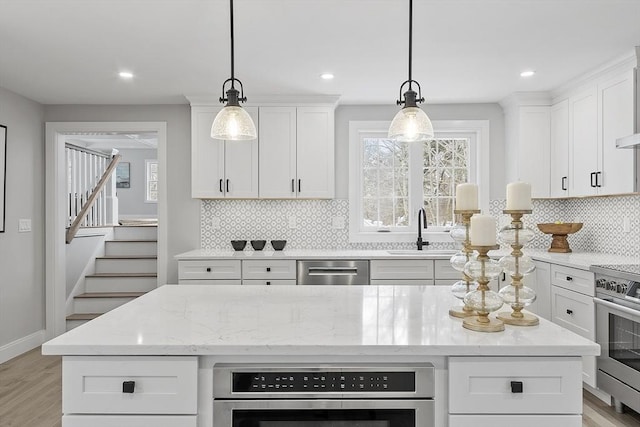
<point>227,186</point>
<point>299,185</point>
<point>564,183</point>
<point>597,180</point>
<point>268,283</point>
<point>221,190</point>
<point>516,386</point>
<point>293,185</point>
<point>593,175</point>
<point>569,312</point>
<point>268,268</point>
<point>208,269</point>
<point>569,278</point>
<point>128,386</point>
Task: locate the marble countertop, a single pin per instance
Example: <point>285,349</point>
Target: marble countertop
<point>304,320</point>
<point>581,260</point>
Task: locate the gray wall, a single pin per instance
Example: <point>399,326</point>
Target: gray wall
<point>491,112</point>
<point>22,288</point>
<point>183,211</point>
<point>131,200</point>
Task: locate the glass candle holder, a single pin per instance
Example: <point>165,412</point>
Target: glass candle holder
<point>460,233</point>
<point>483,300</point>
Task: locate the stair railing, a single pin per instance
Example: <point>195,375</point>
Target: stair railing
<point>87,198</point>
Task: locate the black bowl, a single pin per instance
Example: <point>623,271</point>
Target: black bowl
<point>238,245</point>
<point>278,245</point>
<point>258,245</point>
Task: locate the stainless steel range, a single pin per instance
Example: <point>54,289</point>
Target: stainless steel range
<point>618,332</point>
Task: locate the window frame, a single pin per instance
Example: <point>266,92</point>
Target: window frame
<point>478,130</point>
<point>148,181</point>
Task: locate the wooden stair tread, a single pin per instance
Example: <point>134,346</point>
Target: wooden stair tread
<point>110,295</point>
<point>83,316</point>
<point>128,257</point>
<point>104,275</point>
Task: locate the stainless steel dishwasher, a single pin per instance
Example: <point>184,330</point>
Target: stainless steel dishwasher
<point>333,272</point>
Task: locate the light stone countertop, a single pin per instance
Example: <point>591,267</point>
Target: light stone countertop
<point>304,320</point>
<point>581,260</point>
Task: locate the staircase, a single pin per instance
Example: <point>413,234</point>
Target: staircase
<point>128,270</point>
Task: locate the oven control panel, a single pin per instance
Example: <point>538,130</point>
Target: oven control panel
<point>617,287</point>
<point>323,382</point>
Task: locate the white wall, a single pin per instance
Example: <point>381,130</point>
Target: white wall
<point>131,200</point>
<point>183,211</point>
<point>491,112</point>
<point>22,288</point>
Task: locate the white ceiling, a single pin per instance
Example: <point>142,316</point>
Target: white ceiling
<point>70,51</point>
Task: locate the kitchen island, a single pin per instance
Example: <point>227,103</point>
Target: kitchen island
<point>171,338</point>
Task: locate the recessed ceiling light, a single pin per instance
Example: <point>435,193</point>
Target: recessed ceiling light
<point>125,75</point>
<point>527,73</point>
<point>326,76</point>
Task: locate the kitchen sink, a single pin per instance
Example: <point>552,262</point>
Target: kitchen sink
<point>425,252</point>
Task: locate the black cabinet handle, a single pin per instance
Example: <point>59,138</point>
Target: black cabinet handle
<point>221,190</point>
<point>569,278</point>
<point>128,386</point>
<point>516,386</point>
<point>504,276</point>
<point>564,183</point>
<point>268,268</point>
<point>268,283</point>
<point>598,180</point>
<point>208,269</point>
<point>299,185</point>
<point>569,312</point>
<point>227,186</point>
<point>293,185</point>
<point>593,174</point>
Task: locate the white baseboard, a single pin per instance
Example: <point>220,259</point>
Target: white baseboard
<point>605,397</point>
<point>22,345</point>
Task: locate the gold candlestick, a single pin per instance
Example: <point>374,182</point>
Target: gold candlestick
<point>517,295</point>
<point>483,300</point>
<point>466,285</point>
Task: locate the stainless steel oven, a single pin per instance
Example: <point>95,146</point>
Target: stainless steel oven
<point>618,333</point>
<point>386,395</point>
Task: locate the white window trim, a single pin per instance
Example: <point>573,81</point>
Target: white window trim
<point>357,129</point>
<point>146,180</point>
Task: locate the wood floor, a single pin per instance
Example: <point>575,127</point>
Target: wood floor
<point>30,396</point>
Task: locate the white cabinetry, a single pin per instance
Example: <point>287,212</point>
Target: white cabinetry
<point>572,307</point>
<point>297,152</point>
<point>209,272</point>
<point>269,272</point>
<point>528,131</point>
<point>401,272</point>
<point>221,169</point>
<point>598,115</point>
<point>559,161</point>
<point>540,282</point>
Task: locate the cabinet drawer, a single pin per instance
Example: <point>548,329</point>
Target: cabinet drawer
<point>515,420</point>
<point>267,282</point>
<point>482,385</point>
<point>209,269</point>
<point>163,385</point>
<point>444,270</point>
<point>573,311</point>
<point>210,282</point>
<point>425,282</point>
<point>269,269</point>
<point>398,269</point>
<point>129,420</point>
<point>573,279</point>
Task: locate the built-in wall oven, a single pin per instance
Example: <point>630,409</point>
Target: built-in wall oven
<point>386,395</point>
<point>618,333</point>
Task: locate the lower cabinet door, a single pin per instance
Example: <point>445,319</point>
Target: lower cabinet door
<point>129,420</point>
<point>515,420</point>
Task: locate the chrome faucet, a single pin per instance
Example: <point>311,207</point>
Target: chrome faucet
<point>422,219</point>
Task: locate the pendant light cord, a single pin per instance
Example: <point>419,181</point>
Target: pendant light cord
<point>231,26</point>
<point>410,38</point>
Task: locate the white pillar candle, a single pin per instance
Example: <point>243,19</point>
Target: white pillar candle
<point>482,231</point>
<point>466,197</point>
<point>518,196</point>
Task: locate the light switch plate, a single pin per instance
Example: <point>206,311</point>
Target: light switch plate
<point>293,221</point>
<point>338,223</point>
<point>215,223</point>
<point>24,225</point>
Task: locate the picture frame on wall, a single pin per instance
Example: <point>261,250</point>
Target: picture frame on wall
<point>3,175</point>
<point>123,175</point>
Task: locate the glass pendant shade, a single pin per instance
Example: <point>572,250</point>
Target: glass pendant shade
<point>233,123</point>
<point>411,124</point>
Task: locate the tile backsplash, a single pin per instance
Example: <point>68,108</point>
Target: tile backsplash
<point>317,224</point>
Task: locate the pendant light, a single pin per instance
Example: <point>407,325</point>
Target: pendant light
<point>233,123</point>
<point>411,123</point>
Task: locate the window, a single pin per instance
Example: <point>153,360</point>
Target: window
<point>151,181</point>
<point>390,180</point>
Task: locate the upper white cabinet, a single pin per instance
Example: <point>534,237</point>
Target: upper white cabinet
<point>221,169</point>
<point>528,143</point>
<point>559,183</point>
<point>297,152</point>
<point>583,134</point>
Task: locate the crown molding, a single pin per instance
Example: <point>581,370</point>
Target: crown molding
<point>526,99</point>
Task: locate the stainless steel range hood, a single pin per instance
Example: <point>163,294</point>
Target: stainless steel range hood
<point>633,141</point>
